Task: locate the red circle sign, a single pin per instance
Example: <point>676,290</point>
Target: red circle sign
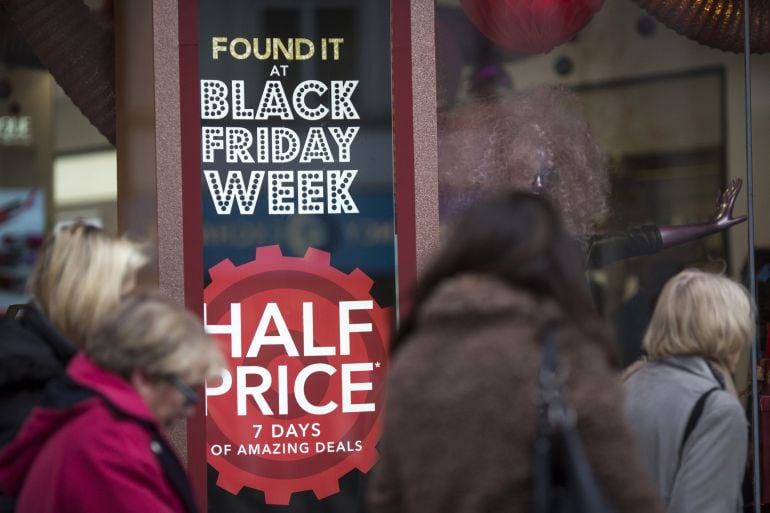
<point>300,403</point>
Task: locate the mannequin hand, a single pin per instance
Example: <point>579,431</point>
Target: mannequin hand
<point>723,216</point>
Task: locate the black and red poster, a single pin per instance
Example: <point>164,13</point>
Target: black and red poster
<point>296,170</point>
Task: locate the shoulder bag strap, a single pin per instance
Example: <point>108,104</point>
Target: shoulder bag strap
<point>695,415</point>
<point>542,471</point>
<point>562,423</point>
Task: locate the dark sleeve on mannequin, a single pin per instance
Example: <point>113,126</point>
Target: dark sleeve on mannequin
<point>603,250</point>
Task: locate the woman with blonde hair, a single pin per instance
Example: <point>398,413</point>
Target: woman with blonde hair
<point>687,421</point>
<point>79,277</point>
<point>97,442</point>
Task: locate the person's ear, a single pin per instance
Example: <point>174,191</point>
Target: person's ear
<point>140,382</point>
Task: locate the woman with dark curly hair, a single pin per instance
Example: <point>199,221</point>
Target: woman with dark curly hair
<point>460,416</point>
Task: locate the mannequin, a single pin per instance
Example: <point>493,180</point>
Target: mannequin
<point>646,240</point>
<point>538,140</point>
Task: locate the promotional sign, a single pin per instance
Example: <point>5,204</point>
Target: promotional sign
<point>299,249</point>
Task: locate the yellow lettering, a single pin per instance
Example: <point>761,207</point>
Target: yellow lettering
<point>246,46</point>
<point>268,50</point>
<point>288,52</point>
<point>217,47</point>
<point>336,42</point>
<point>298,44</point>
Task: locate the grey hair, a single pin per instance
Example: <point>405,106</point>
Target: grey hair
<point>151,334</point>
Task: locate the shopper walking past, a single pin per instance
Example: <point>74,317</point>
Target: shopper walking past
<point>80,275</point>
<point>460,415</point>
<point>96,443</point>
<point>689,426</point>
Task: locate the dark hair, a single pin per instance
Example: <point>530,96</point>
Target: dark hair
<point>518,238</point>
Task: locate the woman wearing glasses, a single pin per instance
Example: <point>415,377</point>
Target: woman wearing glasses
<point>97,441</point>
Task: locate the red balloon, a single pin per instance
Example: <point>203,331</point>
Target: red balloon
<point>530,26</point>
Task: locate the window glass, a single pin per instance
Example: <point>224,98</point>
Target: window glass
<point>632,120</point>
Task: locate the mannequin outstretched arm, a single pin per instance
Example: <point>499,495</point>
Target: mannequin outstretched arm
<point>647,240</point>
<point>723,219</point>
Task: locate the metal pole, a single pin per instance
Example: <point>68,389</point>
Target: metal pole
<point>752,272</point>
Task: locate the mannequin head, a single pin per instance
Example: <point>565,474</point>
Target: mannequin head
<point>534,140</point>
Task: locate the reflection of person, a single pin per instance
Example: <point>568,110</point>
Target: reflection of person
<point>80,274</point>
<point>96,443</point>
<point>700,326</point>
<point>537,140</point>
<point>459,416</point>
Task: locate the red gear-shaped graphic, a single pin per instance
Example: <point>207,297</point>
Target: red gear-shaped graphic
<point>288,282</point>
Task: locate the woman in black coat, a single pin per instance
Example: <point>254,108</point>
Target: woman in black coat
<point>80,275</point>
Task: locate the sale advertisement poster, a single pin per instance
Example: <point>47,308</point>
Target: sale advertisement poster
<point>299,248</point>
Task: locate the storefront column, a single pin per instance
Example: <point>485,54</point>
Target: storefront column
<point>425,145</point>
<point>148,142</point>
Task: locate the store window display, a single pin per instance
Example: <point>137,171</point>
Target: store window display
<point>629,117</point>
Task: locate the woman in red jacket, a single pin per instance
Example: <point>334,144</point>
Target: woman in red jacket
<point>96,443</point>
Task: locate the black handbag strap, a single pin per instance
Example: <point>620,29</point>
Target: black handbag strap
<point>554,411</point>
<point>542,471</point>
<point>695,415</point>
<point>700,403</point>
<point>557,437</point>
<point>692,422</point>
<point>550,349</point>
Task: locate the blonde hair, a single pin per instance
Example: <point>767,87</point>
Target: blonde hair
<point>151,334</point>
<point>701,314</point>
<point>80,275</point>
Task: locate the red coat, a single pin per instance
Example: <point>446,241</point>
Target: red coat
<point>93,446</point>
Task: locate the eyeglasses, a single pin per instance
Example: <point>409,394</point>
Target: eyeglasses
<point>89,225</point>
<point>190,396</point>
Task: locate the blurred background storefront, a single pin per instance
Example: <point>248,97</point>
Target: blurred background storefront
<point>54,164</point>
<point>667,109</point>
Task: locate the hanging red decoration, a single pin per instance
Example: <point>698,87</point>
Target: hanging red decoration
<point>714,23</point>
<point>530,26</point>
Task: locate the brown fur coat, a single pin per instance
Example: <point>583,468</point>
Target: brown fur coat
<point>459,415</point>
